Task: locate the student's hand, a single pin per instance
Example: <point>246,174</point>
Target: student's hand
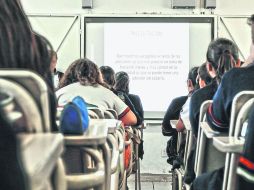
<point>180,126</point>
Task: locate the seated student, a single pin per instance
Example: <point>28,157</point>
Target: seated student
<point>83,78</point>
<point>222,55</point>
<point>19,49</point>
<point>175,107</point>
<point>218,113</point>
<point>108,75</point>
<point>121,88</point>
<point>24,49</point>
<point>184,114</point>
<point>234,81</point>
<point>173,113</point>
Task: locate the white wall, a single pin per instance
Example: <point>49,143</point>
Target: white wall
<point>149,8</point>
<point>224,7</point>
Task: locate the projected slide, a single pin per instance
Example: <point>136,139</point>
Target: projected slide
<point>156,57</point>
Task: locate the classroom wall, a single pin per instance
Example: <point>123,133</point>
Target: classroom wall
<point>224,7</point>
<point>68,52</point>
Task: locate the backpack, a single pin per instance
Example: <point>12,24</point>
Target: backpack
<point>74,117</point>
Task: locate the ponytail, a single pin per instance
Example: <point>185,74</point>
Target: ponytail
<point>225,63</point>
<point>223,55</point>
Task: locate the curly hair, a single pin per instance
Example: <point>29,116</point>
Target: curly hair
<point>84,71</point>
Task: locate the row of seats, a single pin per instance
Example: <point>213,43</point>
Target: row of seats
<point>215,149</point>
<point>95,159</point>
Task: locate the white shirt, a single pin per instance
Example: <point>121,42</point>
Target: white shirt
<point>99,96</point>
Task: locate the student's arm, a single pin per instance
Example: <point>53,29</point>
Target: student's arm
<point>123,111</point>
<point>133,109</point>
<point>218,112</point>
<point>128,117</point>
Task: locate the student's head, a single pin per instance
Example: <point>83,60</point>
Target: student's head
<point>203,77</point>
<point>191,81</point>
<point>59,75</point>
<point>69,76</point>
<point>222,55</point>
<point>84,71</point>
<point>108,75</point>
<point>53,61</point>
<point>20,47</point>
<point>122,82</point>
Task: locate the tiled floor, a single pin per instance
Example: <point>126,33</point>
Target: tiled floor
<point>151,182</point>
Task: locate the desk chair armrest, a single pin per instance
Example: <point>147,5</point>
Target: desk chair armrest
<point>80,181</point>
<point>228,144</point>
<point>173,123</point>
<point>208,131</point>
<point>81,140</point>
<point>187,124</point>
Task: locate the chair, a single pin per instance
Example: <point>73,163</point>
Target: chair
<point>178,172</point>
<point>209,158</point>
<point>138,132</point>
<point>81,174</point>
<point>233,146</point>
<point>41,163</point>
<point>36,87</point>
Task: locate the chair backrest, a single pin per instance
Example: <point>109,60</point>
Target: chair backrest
<point>229,180</point>
<point>110,114</point>
<point>79,150</point>
<point>25,102</point>
<point>239,100</point>
<point>96,111</point>
<point>199,145</point>
<point>36,87</point>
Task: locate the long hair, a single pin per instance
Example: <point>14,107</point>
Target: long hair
<point>223,55</point>
<point>69,76</point>
<point>84,71</point>
<point>108,75</point>
<point>20,47</point>
<point>88,73</point>
<point>122,82</point>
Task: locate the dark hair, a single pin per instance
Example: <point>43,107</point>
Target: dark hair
<point>122,82</point>
<point>59,75</point>
<point>84,71</point>
<point>69,76</point>
<point>203,74</point>
<point>251,22</point>
<point>193,73</point>
<point>108,75</point>
<point>20,47</point>
<point>223,55</point>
